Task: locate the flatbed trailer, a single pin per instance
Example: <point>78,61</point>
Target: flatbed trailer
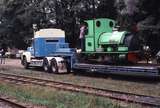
<point>50,51</point>
<point>151,71</point>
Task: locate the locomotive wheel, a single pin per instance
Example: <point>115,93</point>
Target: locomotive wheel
<point>46,65</point>
<point>54,67</point>
<point>25,63</point>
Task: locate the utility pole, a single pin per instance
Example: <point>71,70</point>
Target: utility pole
<point>56,6</point>
<point>93,4</point>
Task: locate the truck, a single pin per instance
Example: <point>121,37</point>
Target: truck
<point>102,46</point>
<point>49,51</point>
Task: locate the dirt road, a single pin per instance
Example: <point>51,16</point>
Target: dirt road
<point>16,63</point>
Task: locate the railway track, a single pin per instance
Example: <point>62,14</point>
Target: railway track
<point>122,96</point>
<point>12,103</point>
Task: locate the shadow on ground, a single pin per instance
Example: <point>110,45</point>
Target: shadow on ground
<point>131,78</point>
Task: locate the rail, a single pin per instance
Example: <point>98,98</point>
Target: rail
<point>118,95</point>
<point>12,103</point>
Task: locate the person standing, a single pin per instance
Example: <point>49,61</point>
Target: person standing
<point>2,56</point>
<point>81,36</point>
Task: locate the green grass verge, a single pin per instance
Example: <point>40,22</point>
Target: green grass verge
<point>55,99</point>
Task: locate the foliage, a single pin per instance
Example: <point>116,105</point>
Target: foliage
<point>18,16</point>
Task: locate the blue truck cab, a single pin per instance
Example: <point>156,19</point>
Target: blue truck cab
<point>47,41</point>
<point>50,51</point>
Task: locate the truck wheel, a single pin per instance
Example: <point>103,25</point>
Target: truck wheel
<point>54,67</point>
<point>46,65</point>
<point>68,67</point>
<point>25,63</point>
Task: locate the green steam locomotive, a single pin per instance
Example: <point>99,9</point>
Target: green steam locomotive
<point>104,43</point>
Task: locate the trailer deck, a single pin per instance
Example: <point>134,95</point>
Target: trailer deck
<point>113,69</point>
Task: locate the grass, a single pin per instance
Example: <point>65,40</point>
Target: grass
<point>55,99</point>
<point>138,87</point>
<point>59,99</point>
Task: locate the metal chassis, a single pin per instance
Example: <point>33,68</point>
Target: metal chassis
<point>152,71</point>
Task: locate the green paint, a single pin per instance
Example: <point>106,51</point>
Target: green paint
<point>95,28</point>
<point>89,44</point>
<point>112,38</point>
<point>102,39</point>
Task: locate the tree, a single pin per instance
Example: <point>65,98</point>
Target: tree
<point>18,16</point>
<point>145,15</point>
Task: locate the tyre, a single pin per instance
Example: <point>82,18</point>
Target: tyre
<point>75,71</point>
<point>46,66</point>
<point>54,67</point>
<point>68,67</point>
<point>25,63</point>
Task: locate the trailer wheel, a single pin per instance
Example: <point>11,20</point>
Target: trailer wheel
<point>46,67</point>
<point>54,67</point>
<point>25,63</point>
